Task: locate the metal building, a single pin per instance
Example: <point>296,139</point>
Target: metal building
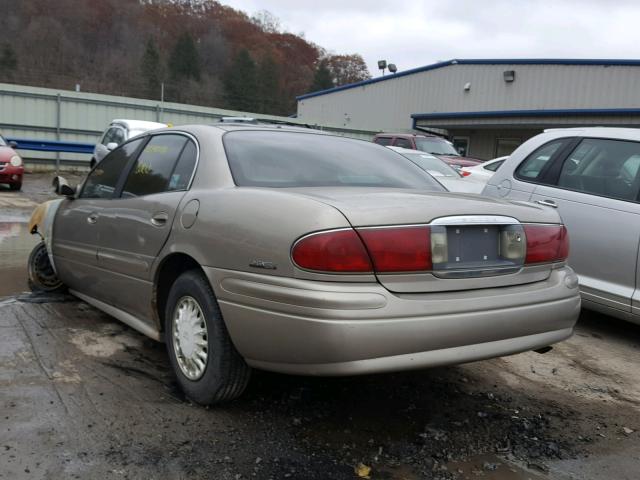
<point>486,107</point>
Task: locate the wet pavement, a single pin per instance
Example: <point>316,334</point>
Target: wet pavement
<point>15,245</point>
<point>84,396</point>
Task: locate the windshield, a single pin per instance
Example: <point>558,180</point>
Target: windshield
<point>296,159</point>
<point>432,165</point>
<point>437,146</point>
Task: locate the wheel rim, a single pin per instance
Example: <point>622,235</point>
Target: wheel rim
<point>189,338</point>
<point>42,271</point>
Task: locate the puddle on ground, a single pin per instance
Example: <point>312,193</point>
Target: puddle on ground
<point>15,245</point>
<point>491,467</point>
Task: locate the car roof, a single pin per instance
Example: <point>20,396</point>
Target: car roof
<point>265,127</point>
<point>615,132</point>
<point>138,124</point>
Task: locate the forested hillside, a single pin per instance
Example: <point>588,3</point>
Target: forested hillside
<point>203,52</point>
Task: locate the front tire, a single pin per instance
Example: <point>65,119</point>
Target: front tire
<point>42,276</point>
<point>15,186</point>
<point>208,367</point>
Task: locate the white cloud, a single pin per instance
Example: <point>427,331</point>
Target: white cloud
<point>413,33</point>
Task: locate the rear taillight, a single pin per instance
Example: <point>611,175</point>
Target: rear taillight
<point>333,251</point>
<point>389,249</point>
<point>398,249</point>
<point>546,243</point>
<point>464,173</point>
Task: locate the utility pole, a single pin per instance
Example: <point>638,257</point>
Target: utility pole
<point>161,100</point>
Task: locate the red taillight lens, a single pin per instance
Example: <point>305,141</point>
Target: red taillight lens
<point>398,249</point>
<point>546,243</point>
<point>334,251</point>
<point>465,173</point>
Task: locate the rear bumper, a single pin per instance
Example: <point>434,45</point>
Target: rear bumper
<point>10,174</point>
<point>322,328</point>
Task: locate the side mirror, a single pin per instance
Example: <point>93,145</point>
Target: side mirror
<point>62,187</point>
<point>112,146</point>
<point>13,144</point>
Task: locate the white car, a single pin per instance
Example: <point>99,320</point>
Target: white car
<point>118,132</point>
<point>483,172</point>
<point>440,170</point>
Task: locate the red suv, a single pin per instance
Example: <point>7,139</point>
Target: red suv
<point>432,144</point>
<point>11,168</point>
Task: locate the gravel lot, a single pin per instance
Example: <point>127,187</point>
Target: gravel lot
<point>84,396</point>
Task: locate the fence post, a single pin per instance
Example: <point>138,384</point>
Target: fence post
<point>58,115</point>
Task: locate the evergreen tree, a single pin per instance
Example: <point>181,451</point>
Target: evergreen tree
<point>184,62</point>
<point>8,59</point>
<point>241,84</point>
<point>151,69</point>
<point>322,78</point>
<point>269,87</point>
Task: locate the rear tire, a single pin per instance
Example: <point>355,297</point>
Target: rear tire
<point>42,276</point>
<point>208,367</point>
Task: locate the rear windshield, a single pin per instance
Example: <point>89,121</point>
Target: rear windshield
<point>293,159</point>
<point>437,146</point>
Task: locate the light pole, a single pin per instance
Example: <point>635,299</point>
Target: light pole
<point>382,65</point>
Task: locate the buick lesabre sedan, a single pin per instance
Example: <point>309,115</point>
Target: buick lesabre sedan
<point>281,249</point>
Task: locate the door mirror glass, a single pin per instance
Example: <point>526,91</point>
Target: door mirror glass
<point>112,146</point>
<point>62,187</point>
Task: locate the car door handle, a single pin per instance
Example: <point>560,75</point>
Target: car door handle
<point>92,218</point>
<point>547,203</point>
<point>159,219</point>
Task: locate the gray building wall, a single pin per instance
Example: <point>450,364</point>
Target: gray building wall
<point>387,105</point>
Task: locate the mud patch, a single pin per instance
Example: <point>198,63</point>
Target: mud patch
<point>109,340</point>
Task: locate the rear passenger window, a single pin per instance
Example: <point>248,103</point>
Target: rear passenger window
<point>181,176</point>
<point>154,167</point>
<point>532,168</point>
<point>403,142</point>
<point>383,141</point>
<point>493,166</point>
<point>608,168</point>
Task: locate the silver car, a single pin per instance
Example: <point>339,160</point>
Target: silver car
<point>590,176</point>
<point>118,132</point>
<point>304,253</point>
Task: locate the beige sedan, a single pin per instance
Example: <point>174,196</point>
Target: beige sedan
<point>289,250</point>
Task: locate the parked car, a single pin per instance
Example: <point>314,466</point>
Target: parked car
<point>118,132</point>
<point>432,144</point>
<point>440,170</point>
<point>11,165</point>
<point>590,176</point>
<point>298,252</point>
<point>483,171</point>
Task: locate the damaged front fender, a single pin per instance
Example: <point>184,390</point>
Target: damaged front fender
<point>41,223</point>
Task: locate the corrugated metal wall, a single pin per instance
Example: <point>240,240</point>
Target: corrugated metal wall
<point>42,113</point>
<point>387,105</point>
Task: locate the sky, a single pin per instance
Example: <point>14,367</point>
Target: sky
<point>412,33</point>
